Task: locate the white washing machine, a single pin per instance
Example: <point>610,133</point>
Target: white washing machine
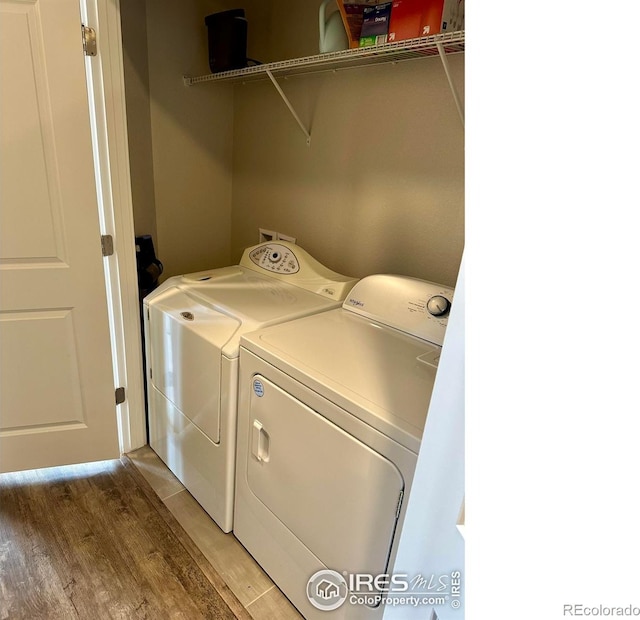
<point>193,324</point>
<point>331,413</point>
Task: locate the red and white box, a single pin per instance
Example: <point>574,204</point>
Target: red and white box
<point>411,19</point>
<point>406,19</point>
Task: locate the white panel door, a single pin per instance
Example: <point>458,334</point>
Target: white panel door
<point>57,402</point>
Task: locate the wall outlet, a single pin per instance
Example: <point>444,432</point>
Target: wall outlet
<point>285,238</point>
<point>266,235</point>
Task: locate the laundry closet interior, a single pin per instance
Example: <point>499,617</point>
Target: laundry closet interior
<point>365,171</point>
<point>379,188</point>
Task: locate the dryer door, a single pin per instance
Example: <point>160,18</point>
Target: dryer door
<point>335,494</point>
<point>186,339</point>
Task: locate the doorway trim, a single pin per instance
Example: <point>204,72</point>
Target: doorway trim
<point>105,82</point>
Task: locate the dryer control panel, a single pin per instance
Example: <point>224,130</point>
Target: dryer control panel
<point>289,262</point>
<point>417,307</point>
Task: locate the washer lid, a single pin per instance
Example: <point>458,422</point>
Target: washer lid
<point>185,343</point>
<point>253,300</point>
<point>381,375</point>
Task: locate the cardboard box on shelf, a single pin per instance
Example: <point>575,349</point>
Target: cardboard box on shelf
<point>352,15</point>
<point>375,24</point>
<point>442,16</point>
<point>406,19</point>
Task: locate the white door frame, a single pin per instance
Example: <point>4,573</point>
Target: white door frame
<point>105,80</point>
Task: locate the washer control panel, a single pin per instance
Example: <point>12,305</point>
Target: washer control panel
<point>275,258</point>
<point>290,263</point>
<point>417,307</point>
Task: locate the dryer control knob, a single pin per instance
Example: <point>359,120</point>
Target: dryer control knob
<point>275,256</point>
<point>438,305</point>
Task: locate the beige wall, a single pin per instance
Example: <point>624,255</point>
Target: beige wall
<point>379,190</point>
<point>136,71</point>
<point>381,187</point>
<point>280,29</point>
<point>191,138</point>
<point>293,30</point>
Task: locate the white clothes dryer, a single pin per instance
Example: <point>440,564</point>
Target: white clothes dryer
<point>193,324</point>
<point>331,413</point>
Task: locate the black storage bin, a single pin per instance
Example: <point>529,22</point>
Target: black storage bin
<point>227,33</point>
<point>149,270</point>
<point>149,267</point>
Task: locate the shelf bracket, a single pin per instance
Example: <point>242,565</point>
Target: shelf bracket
<point>454,92</point>
<point>288,104</point>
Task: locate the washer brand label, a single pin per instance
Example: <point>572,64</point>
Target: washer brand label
<point>356,302</point>
<point>258,388</point>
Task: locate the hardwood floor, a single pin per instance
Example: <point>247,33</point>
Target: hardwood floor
<point>240,572</point>
<point>95,541</point>
<point>84,538</point>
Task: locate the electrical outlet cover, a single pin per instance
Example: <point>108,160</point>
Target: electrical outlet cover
<point>266,235</point>
<point>288,238</point>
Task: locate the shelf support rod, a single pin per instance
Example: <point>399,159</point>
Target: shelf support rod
<point>288,104</point>
<point>454,92</point>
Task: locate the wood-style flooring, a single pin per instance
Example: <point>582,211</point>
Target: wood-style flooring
<point>96,542</point>
<point>240,572</point>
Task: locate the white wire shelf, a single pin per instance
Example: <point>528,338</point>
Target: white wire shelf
<point>449,43</point>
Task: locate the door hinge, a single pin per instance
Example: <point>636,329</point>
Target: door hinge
<point>89,41</point>
<point>107,245</point>
<point>120,396</point>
